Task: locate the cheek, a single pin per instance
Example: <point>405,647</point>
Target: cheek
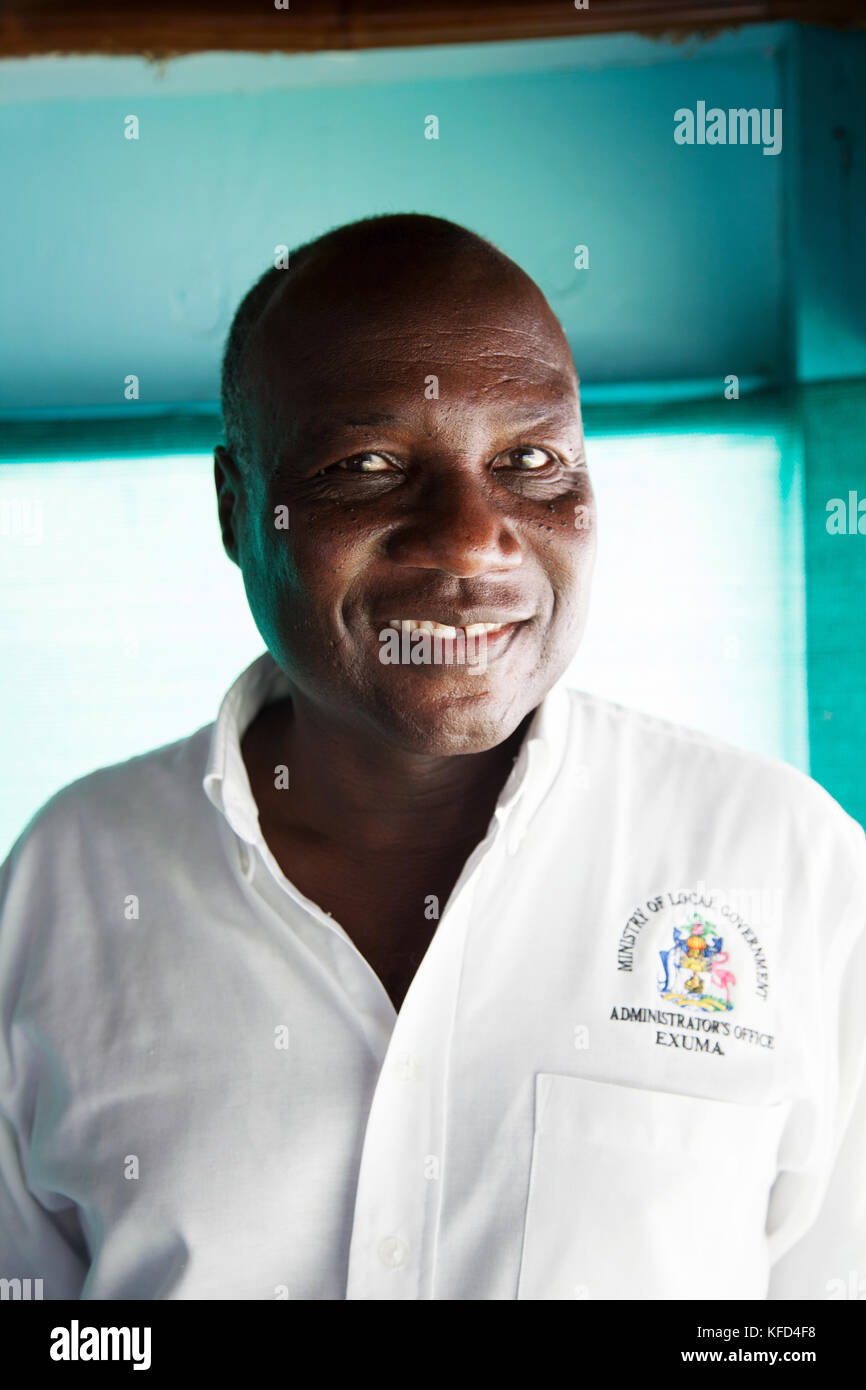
<point>567,554</point>
<point>324,563</point>
<point>568,540</point>
<point>582,552</point>
<point>302,573</point>
<point>271,574</point>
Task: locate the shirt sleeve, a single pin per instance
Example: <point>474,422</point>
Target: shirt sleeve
<point>35,1243</point>
<point>820,1245</point>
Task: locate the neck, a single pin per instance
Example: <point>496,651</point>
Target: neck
<point>354,789</point>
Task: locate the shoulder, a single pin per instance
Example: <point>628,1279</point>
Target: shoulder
<point>674,765</point>
<point>143,798</point>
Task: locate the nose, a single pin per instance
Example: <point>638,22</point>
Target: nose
<point>458,528</point>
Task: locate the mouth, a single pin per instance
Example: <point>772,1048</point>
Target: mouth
<point>471,630</point>
<point>475,644</point>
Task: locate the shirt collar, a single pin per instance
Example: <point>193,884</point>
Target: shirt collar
<point>227,786</point>
<point>541,755</point>
<point>225,780</point>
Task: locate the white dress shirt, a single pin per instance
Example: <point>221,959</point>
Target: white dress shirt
<point>630,1065</point>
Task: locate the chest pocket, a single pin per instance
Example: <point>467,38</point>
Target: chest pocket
<point>646,1194</point>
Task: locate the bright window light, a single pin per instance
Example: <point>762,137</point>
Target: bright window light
<point>123,621</point>
<point>698,608</point>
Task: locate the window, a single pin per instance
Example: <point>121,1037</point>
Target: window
<point>123,621</point>
<point>698,609</point>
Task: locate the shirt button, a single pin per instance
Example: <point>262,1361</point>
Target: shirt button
<point>407,1067</point>
<point>244,858</point>
<point>393,1252</point>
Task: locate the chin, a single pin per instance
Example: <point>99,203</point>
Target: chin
<point>471,718</point>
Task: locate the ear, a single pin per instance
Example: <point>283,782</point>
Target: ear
<point>229,486</point>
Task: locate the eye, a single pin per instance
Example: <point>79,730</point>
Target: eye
<point>359,463</point>
<point>530,458</point>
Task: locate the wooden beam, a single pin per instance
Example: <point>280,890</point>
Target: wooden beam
<point>165,28</point>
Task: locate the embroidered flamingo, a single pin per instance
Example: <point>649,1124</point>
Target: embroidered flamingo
<point>723,978</point>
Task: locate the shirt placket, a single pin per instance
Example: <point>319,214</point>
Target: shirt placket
<point>398,1197</point>
<point>403,1163</point>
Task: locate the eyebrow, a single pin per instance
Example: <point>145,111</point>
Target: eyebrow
<point>373,417</point>
<point>550,412</point>
<point>553,410</point>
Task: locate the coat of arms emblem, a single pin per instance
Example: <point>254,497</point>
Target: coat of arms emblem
<point>694,965</point>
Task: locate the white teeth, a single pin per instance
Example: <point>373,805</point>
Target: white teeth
<point>443,629</point>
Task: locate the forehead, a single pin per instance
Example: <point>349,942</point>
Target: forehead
<point>375,350</point>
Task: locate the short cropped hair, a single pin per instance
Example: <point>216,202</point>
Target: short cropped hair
<point>422,232</point>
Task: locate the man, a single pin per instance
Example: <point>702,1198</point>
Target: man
<point>428,979</point>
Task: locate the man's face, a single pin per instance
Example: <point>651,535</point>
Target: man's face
<point>473,506</point>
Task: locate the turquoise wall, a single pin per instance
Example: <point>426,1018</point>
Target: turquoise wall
<point>833,419</point>
<point>137,251</point>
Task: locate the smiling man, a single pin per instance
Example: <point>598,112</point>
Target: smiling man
<point>428,979</point>
<point>407,396</point>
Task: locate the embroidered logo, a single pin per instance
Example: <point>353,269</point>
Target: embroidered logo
<point>694,965</point>
<point>676,950</point>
